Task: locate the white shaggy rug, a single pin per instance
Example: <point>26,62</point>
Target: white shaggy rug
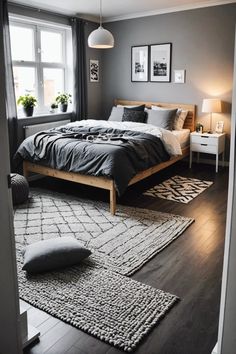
<point>179,189</point>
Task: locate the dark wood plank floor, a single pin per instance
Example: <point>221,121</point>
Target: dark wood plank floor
<point>190,267</point>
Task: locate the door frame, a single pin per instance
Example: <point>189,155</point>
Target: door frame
<point>227,319</point>
<point>10,334</point>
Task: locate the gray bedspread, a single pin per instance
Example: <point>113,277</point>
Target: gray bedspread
<point>96,151</point>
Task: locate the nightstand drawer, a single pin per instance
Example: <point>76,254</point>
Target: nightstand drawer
<point>204,147</point>
<point>201,139</point>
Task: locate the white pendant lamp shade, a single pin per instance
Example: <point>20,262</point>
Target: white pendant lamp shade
<point>101,39</point>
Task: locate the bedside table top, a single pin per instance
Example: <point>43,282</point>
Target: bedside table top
<point>213,135</point>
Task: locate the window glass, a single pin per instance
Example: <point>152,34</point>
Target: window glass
<point>51,47</point>
<point>41,55</point>
<point>24,80</point>
<point>53,80</point>
<point>22,43</point>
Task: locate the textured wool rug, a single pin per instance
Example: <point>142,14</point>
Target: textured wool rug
<point>179,189</point>
<point>122,243</point>
<point>107,305</point>
<point>95,296</point>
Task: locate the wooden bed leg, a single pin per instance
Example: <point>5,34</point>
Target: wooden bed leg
<point>113,199</point>
<point>25,171</point>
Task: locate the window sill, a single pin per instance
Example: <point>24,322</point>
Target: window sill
<point>47,116</point>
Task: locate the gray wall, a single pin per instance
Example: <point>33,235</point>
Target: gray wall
<point>202,43</point>
<point>94,88</point>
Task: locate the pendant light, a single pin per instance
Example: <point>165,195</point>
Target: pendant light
<point>101,38</point>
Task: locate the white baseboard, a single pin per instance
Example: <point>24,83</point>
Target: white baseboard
<point>215,350</point>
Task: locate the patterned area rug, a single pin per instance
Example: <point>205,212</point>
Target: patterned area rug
<point>107,305</point>
<point>122,243</point>
<point>95,296</point>
<point>179,189</point>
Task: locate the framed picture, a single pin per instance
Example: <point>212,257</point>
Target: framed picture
<point>139,63</point>
<point>160,62</point>
<point>220,126</point>
<point>94,70</point>
<point>179,76</point>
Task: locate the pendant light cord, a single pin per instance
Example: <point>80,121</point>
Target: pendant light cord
<point>100,13</point>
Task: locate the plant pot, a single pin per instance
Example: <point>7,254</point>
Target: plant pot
<point>28,111</point>
<point>53,110</point>
<point>63,107</point>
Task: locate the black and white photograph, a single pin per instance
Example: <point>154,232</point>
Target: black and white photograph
<point>139,63</point>
<point>160,64</point>
<point>219,127</point>
<point>94,70</point>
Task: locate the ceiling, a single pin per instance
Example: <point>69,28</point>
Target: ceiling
<point>114,10</point>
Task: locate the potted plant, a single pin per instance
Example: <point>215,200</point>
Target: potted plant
<point>28,102</point>
<point>63,99</point>
<point>53,107</point>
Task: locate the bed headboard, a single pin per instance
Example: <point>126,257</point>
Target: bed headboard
<point>191,108</point>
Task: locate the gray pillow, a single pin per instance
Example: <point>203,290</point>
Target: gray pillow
<point>162,118</point>
<point>116,114</point>
<point>53,254</point>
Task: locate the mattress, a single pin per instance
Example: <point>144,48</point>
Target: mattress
<point>183,137</point>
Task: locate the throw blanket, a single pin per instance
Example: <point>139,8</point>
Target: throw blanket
<point>97,151</point>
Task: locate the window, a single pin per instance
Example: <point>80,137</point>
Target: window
<point>41,61</point>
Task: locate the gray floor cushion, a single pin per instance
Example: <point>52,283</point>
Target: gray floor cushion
<point>53,254</point>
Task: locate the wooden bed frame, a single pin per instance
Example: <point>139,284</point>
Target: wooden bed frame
<point>106,183</point>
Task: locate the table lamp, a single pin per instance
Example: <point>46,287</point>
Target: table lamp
<point>211,105</point>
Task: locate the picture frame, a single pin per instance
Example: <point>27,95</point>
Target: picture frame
<point>139,63</point>
<point>219,127</point>
<point>160,62</point>
<point>94,70</point>
<point>179,76</point>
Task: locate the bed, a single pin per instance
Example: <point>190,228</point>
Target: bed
<point>109,183</point>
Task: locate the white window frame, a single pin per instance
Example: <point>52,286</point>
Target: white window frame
<point>37,27</point>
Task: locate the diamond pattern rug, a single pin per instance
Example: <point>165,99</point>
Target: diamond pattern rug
<point>123,242</point>
<point>179,189</point>
<point>95,296</point>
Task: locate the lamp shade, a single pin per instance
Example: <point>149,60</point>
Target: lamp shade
<point>211,105</point>
<point>101,39</point>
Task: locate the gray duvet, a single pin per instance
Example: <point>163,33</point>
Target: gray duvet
<point>97,151</point>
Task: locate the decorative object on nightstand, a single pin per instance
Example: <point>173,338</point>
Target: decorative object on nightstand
<point>211,105</point>
<point>199,128</point>
<point>207,143</point>
<point>219,126</point>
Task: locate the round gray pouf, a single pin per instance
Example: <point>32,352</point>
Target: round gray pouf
<point>20,188</point>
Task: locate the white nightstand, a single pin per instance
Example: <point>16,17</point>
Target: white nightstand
<point>207,144</point>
